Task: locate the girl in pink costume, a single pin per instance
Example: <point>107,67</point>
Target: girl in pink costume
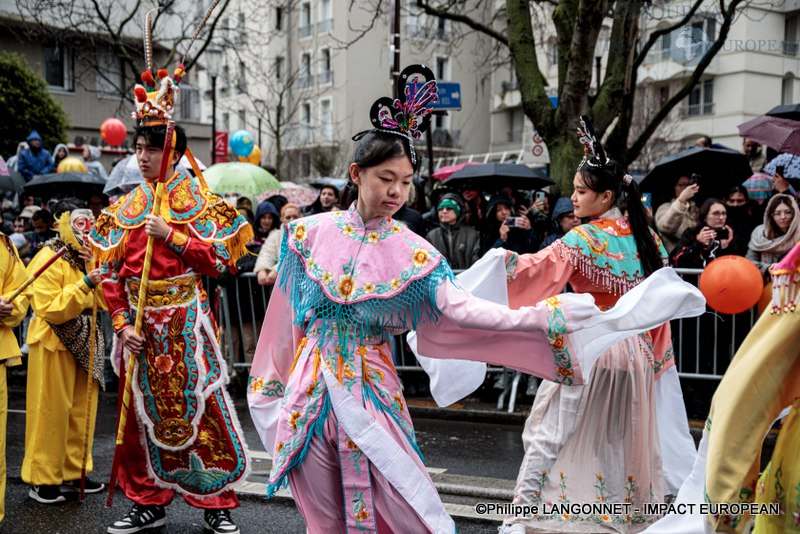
<point>323,391</point>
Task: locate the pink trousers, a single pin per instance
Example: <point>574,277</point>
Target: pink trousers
<point>317,489</point>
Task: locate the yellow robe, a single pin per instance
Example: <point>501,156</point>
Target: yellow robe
<point>57,385</point>
<point>12,277</point>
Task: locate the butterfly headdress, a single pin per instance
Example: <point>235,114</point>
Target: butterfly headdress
<point>155,99</point>
<point>594,155</point>
<point>408,115</point>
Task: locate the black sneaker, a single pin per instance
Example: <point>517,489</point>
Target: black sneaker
<point>138,519</point>
<point>220,522</point>
<point>46,494</point>
<point>90,486</point>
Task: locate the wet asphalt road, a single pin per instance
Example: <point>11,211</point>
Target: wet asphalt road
<point>463,448</point>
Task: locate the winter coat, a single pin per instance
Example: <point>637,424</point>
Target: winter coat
<point>673,219</point>
<point>93,164</point>
<point>459,243</point>
<point>33,163</point>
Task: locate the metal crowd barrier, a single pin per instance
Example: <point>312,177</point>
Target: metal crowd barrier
<point>703,345</point>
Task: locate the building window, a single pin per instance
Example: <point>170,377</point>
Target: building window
<point>326,119</point>
<point>279,18</point>
<point>443,29</point>
<point>242,119</point>
<point>415,23</point>
<point>442,68</point>
<point>305,164</point>
<point>109,80</point>
<point>279,68</point>
<point>516,124</point>
<point>708,26</point>
<point>226,121</point>
<point>241,29</point>
<point>226,80</point>
<point>701,99</point>
<point>305,123</point>
<point>189,108</point>
<point>305,21</point>
<point>306,78</point>
<point>325,71</point>
<point>665,46</point>
<point>790,40</point>
<point>241,79</point>
<point>787,90</point>
<point>58,67</point>
<point>225,30</point>
<point>554,54</point>
<point>325,23</point>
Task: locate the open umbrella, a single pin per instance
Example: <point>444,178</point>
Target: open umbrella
<point>788,111</point>
<point>781,134</point>
<point>10,181</point>
<point>443,173</point>
<point>494,176</point>
<point>65,184</point>
<point>322,181</point>
<point>719,171</point>
<point>243,179</point>
<point>124,177</point>
<point>294,193</point>
<point>789,162</point>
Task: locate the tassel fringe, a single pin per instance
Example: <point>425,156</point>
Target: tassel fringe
<point>785,292</point>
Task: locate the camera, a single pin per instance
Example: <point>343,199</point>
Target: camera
<point>779,169</point>
<point>512,222</point>
<point>722,233</point>
<point>695,179</point>
<point>539,196</point>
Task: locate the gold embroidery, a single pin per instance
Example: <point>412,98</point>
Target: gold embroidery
<point>170,292</point>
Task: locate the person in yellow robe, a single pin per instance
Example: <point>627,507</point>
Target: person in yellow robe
<point>62,299</point>
<point>11,315</point>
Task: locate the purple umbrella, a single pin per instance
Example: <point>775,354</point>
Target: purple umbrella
<point>781,134</point>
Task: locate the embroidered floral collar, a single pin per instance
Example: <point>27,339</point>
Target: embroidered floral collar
<point>380,224</point>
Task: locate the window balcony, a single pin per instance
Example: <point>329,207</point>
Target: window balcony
<point>305,31</point>
<point>325,77</point>
<point>325,26</point>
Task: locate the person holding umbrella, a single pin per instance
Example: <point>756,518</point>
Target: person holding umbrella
<point>182,434</point>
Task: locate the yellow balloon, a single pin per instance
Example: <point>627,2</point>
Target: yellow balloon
<point>254,157</point>
<point>71,165</point>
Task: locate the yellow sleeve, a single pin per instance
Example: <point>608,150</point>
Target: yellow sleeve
<point>13,277</point>
<point>60,293</point>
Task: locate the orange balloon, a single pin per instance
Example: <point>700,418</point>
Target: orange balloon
<point>731,284</point>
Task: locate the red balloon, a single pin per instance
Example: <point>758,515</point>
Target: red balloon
<point>113,131</point>
<point>731,284</point>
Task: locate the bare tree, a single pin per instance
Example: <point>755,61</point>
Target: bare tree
<point>577,25</point>
<point>103,29</point>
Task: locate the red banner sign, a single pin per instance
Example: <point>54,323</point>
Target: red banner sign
<point>221,147</point>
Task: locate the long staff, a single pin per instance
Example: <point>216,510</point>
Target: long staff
<point>166,159</point>
<point>36,275</point>
<point>90,379</point>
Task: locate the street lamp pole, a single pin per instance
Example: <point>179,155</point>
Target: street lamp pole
<point>213,61</point>
<point>213,120</point>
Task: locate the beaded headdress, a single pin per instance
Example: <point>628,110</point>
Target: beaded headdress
<point>407,115</point>
<point>594,155</point>
<point>155,97</point>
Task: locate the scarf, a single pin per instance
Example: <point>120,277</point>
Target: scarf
<point>759,241</point>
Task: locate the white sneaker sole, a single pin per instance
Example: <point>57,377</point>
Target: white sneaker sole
<point>38,498</point>
<point>209,528</point>
<point>131,530</point>
<point>77,489</point>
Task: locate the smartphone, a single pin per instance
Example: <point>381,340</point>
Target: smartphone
<point>694,179</point>
<point>512,222</point>
<point>722,233</point>
<point>647,200</point>
<point>540,196</point>
<point>779,169</point>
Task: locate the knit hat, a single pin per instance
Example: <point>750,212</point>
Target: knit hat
<point>450,203</point>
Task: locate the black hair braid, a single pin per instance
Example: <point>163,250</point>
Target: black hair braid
<point>649,253</point>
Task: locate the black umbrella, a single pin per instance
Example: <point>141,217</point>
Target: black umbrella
<point>789,111</point>
<point>65,184</point>
<point>718,170</point>
<point>494,176</point>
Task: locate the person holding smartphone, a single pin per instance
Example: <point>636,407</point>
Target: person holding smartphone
<point>679,214</point>
<point>710,239</point>
<point>505,229</point>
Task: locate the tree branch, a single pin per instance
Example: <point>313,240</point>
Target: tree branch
<point>446,14</point>
<point>656,35</point>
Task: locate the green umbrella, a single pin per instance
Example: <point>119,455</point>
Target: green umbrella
<point>243,179</point>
